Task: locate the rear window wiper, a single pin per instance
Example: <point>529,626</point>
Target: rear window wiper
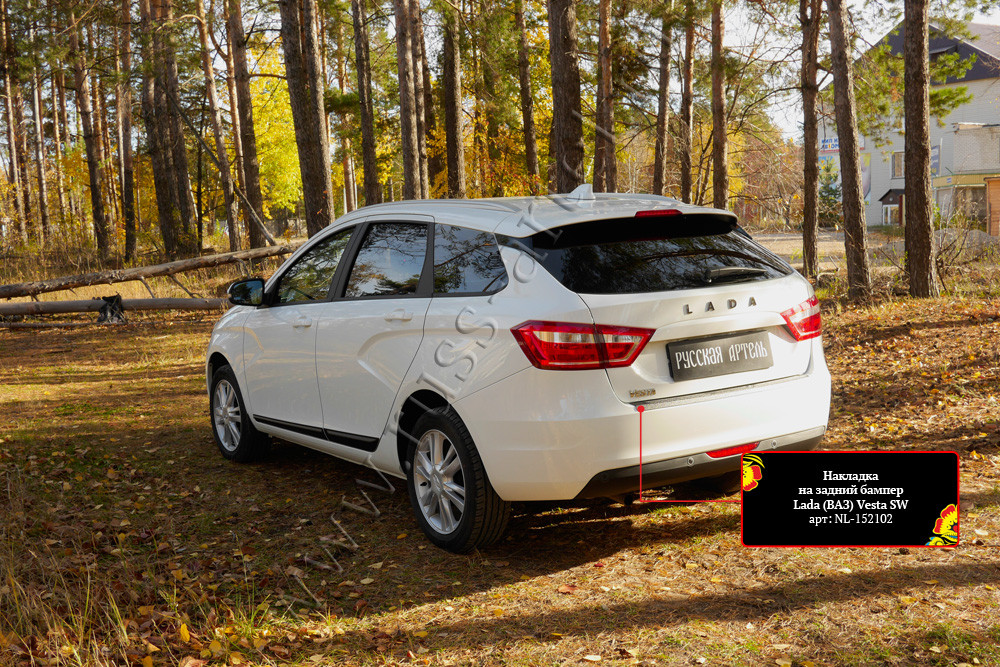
<point>724,273</point>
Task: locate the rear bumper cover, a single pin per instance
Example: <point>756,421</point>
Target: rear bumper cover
<point>684,468</point>
<point>544,435</point>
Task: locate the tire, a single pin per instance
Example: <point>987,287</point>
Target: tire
<point>237,438</point>
<point>452,498</point>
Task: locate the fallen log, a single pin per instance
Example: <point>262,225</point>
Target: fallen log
<point>94,305</point>
<point>51,325</point>
<point>139,272</point>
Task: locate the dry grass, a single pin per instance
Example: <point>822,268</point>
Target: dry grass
<point>126,538</point>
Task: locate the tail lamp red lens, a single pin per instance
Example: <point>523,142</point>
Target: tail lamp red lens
<point>572,346</point>
<point>804,319</point>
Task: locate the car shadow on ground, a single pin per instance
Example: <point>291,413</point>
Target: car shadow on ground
<point>661,611</point>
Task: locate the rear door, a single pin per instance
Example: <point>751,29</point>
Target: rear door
<point>368,335</point>
<point>713,297</point>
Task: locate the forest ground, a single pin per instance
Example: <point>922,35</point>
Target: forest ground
<point>126,538</point>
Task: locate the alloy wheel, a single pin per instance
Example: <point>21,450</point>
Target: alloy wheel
<point>226,415</point>
<point>439,480</point>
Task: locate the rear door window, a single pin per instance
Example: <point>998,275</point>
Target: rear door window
<point>390,260</point>
<point>631,256</point>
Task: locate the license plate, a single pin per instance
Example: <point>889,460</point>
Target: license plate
<point>709,357</point>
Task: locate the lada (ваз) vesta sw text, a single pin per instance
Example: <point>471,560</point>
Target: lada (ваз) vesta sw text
<point>498,350</point>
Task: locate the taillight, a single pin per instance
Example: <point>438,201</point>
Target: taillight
<point>570,346</point>
<point>804,319</point>
<point>730,451</point>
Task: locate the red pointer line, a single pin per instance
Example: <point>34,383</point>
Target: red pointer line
<point>641,409</point>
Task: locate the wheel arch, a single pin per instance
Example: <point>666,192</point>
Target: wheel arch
<point>216,360</point>
<point>416,405</point>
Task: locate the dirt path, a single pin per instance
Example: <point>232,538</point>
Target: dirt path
<point>789,247</point>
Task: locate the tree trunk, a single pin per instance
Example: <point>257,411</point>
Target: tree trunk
<point>125,140</point>
<point>452,86</point>
<point>157,134</point>
<point>369,162</point>
<point>700,195</point>
<point>13,147</point>
<point>248,136</point>
<point>720,144</point>
<point>185,200</point>
<point>919,211</point>
<point>663,105</point>
<point>407,105</point>
<point>22,151</point>
<point>320,179</point>
<point>347,161</point>
<point>98,118</point>
<point>95,305</point>
<point>74,201</point>
<point>137,272</point>
<point>478,118</point>
<point>809,18</point>
<point>567,117</point>
<point>75,205</point>
<point>102,233</point>
<point>320,25</point>
<point>302,70</point>
<point>101,128</point>
<point>419,99</point>
<point>492,144</point>
<point>855,232</point>
<point>200,179</point>
<point>234,115</point>
<point>605,164</point>
<point>63,121</point>
<point>43,190</point>
<point>118,84</point>
<point>527,101</point>
<point>434,163</point>
<point>215,115</point>
<point>57,141</point>
<point>687,106</point>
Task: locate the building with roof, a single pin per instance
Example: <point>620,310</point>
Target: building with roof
<point>965,145</point>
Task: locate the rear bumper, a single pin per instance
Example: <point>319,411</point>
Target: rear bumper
<point>546,435</point>
<point>684,468</point>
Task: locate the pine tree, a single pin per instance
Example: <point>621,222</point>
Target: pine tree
<point>567,118</point>
<point>918,221</point>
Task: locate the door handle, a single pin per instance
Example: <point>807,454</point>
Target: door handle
<point>302,322</point>
<point>398,314</point>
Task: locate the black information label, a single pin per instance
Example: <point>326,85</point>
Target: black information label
<point>834,499</point>
<point>708,357</point>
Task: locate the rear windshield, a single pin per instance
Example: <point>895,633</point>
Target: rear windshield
<point>630,256</point>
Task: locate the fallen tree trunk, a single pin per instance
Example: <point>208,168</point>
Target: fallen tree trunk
<point>124,275</point>
<point>94,305</point>
<point>48,325</point>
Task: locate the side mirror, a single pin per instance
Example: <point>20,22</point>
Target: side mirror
<point>247,292</point>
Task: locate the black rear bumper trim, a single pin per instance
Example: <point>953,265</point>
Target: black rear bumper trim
<point>619,481</point>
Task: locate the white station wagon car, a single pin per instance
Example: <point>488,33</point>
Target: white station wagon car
<point>499,350</point>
